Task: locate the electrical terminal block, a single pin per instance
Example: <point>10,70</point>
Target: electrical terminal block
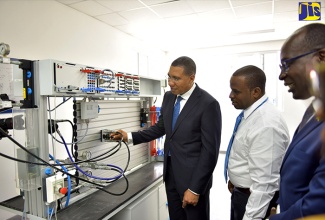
<point>106,135</point>
<point>89,110</point>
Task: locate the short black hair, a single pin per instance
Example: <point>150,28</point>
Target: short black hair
<point>314,36</point>
<point>254,76</point>
<point>187,63</point>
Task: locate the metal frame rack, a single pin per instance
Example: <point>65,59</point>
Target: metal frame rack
<point>113,100</point>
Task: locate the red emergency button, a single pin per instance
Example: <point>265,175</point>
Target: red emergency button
<point>63,190</point>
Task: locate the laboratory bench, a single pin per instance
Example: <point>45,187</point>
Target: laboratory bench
<point>145,197</point>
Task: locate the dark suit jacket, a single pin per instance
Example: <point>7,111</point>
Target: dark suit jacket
<point>302,175</point>
<point>194,143</point>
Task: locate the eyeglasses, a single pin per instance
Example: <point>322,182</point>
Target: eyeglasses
<point>173,78</point>
<point>285,64</point>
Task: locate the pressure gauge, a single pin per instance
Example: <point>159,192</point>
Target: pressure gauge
<point>4,49</point>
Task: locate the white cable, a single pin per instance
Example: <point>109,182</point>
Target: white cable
<point>48,101</point>
<point>23,217</point>
<point>56,207</point>
<point>86,132</point>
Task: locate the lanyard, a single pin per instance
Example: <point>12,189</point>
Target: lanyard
<point>260,105</point>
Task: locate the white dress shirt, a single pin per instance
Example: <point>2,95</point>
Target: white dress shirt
<point>256,155</point>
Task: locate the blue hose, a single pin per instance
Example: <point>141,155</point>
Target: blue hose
<point>86,174</point>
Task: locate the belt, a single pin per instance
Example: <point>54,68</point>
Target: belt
<point>244,190</point>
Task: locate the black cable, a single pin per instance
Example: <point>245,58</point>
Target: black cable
<point>21,161</point>
<point>92,159</point>
<point>29,162</point>
<point>63,120</point>
<point>127,182</point>
<point>45,164</point>
<point>59,205</point>
<point>59,105</point>
<point>74,131</point>
<point>95,158</point>
<point>129,156</point>
<point>117,194</point>
<point>48,164</point>
<point>111,168</point>
<point>69,164</point>
<point>118,146</point>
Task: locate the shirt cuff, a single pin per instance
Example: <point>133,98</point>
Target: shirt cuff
<point>130,139</point>
<point>248,218</point>
<point>194,192</point>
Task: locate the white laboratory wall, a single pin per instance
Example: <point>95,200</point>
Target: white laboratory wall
<point>50,30</point>
<point>215,67</point>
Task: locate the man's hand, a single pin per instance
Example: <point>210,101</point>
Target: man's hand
<point>190,199</point>
<point>119,135</point>
<point>272,212</point>
<point>230,187</point>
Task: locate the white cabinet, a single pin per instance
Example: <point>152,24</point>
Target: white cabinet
<point>152,205</point>
<point>163,205</point>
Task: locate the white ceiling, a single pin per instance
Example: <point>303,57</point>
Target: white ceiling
<point>193,24</point>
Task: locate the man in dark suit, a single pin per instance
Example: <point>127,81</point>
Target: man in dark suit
<point>318,82</point>
<point>302,175</point>
<point>191,145</point>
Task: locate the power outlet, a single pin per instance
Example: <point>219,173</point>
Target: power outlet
<point>55,188</point>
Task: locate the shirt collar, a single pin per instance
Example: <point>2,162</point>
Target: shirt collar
<point>187,94</point>
<point>251,109</point>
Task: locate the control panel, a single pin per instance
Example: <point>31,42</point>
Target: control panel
<point>60,77</point>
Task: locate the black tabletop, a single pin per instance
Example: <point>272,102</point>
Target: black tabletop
<point>99,204</point>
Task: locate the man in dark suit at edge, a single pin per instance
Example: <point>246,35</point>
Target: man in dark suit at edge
<point>191,146</point>
<point>302,175</point>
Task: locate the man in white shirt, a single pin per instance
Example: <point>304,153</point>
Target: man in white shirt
<point>258,147</point>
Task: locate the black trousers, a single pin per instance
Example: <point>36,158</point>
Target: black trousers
<point>239,201</point>
<point>199,212</point>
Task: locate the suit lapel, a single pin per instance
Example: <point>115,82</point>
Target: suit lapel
<point>169,112</point>
<point>190,104</point>
<point>298,136</point>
